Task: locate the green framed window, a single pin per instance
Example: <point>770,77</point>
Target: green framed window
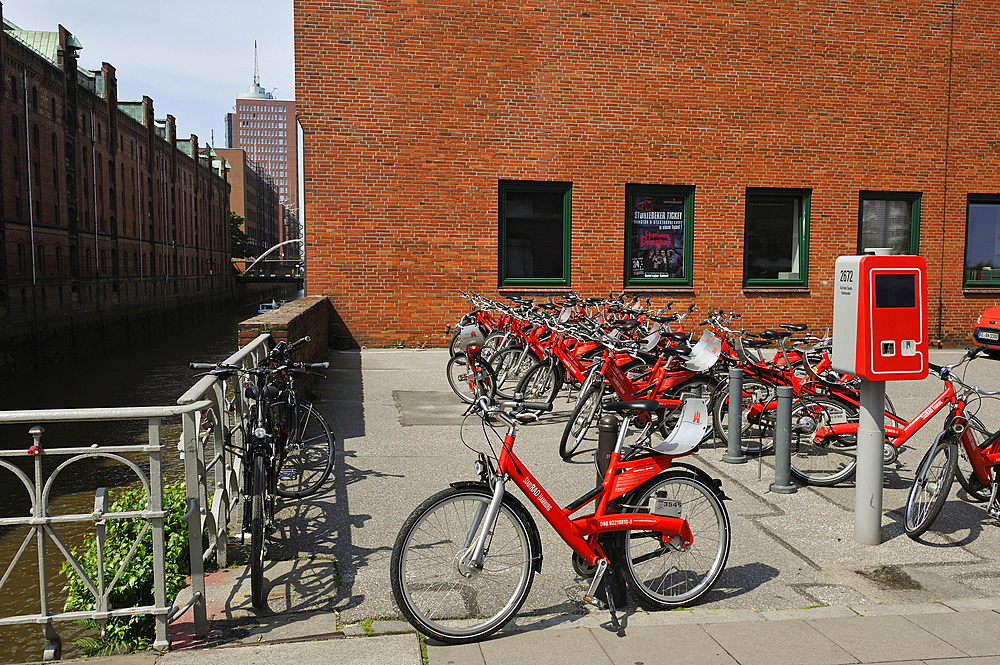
<point>658,230</point>
<point>889,219</point>
<point>776,238</point>
<point>535,233</point>
<point>982,241</point>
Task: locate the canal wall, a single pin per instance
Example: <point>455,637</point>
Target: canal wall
<point>291,322</point>
<point>29,346</point>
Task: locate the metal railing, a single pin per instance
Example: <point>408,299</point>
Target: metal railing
<point>211,413</point>
<point>212,509</point>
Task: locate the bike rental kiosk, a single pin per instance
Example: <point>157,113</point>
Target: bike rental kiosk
<point>879,334</point>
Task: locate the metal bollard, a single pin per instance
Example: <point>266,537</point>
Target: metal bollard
<point>783,443</point>
<point>607,438</point>
<point>734,453</point>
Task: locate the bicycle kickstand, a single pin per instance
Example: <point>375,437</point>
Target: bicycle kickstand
<point>602,575</point>
<point>993,508</point>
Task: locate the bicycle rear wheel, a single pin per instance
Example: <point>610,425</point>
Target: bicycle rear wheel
<point>666,574</point>
<point>758,407</point>
<point>831,460</point>
<point>438,590</point>
<point>931,485</point>
<point>257,507</point>
<point>307,460</point>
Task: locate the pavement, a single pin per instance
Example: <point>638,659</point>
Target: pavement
<point>797,588</point>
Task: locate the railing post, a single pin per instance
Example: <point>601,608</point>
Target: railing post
<point>783,443</point>
<point>160,642</point>
<point>53,646</point>
<point>193,474</point>
<point>222,470</point>
<point>734,451</point>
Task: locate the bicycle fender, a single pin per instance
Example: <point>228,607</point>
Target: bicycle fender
<point>515,505</point>
<point>714,483</point>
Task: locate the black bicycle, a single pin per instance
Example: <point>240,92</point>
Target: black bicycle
<point>285,446</point>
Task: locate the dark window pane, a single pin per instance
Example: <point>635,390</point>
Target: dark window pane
<point>886,224</point>
<point>534,234</point>
<point>772,237</point>
<point>982,243</point>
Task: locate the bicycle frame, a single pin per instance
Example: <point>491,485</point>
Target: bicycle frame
<point>895,435</point>
<point>581,533</point>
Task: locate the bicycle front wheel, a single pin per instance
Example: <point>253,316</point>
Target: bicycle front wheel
<point>580,421</point>
<point>438,589</point>
<point>965,474</point>
<point>931,485</point>
<point>308,458</point>
<point>469,385</point>
<point>666,574</point>
<point>541,383</point>
<point>510,365</point>
<point>832,459</point>
<point>257,533</point>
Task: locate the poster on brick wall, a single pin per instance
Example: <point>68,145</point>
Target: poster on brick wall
<point>657,230</point>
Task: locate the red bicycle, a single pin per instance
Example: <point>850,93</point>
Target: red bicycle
<point>939,467</point>
<point>464,560</point>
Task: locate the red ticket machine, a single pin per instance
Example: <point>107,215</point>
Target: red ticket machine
<point>879,334</point>
<point>880,317</point>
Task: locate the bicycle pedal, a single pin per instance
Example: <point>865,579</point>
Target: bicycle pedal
<point>596,602</point>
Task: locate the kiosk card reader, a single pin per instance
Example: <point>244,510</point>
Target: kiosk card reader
<point>880,317</point>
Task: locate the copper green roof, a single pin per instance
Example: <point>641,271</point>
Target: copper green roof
<point>45,44</point>
<point>133,110</point>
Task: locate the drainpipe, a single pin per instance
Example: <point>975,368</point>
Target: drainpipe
<point>27,161</point>
<point>947,148</point>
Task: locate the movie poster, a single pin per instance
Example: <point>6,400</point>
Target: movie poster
<point>657,237</point>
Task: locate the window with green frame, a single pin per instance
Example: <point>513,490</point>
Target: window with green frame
<point>982,241</point>
<point>534,233</point>
<point>776,238</point>
<point>658,231</point>
<point>889,219</point>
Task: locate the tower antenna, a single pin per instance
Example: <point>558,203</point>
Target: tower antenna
<point>256,74</point>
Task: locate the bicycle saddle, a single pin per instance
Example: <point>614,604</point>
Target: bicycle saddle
<point>776,334</point>
<point>794,327</point>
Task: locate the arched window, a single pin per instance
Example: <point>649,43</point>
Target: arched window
<point>40,260</point>
<point>20,259</point>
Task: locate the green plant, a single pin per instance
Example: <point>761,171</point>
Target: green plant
<point>134,587</point>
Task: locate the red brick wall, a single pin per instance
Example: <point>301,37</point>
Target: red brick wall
<point>412,112</point>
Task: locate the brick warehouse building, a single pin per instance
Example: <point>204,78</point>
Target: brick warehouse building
<point>104,208</point>
<point>696,151</point>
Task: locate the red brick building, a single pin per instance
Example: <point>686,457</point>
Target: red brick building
<point>696,151</point>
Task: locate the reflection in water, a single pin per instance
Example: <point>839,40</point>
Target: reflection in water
<point>151,373</point>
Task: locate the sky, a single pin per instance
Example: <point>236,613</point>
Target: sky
<point>192,57</point>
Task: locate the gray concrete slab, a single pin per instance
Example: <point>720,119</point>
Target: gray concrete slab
<point>556,647</point>
<point>648,644</point>
<point>973,633</point>
<point>778,643</point>
<point>875,639</point>
<point>384,650</point>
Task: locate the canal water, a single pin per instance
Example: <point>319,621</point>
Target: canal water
<point>153,372</point>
